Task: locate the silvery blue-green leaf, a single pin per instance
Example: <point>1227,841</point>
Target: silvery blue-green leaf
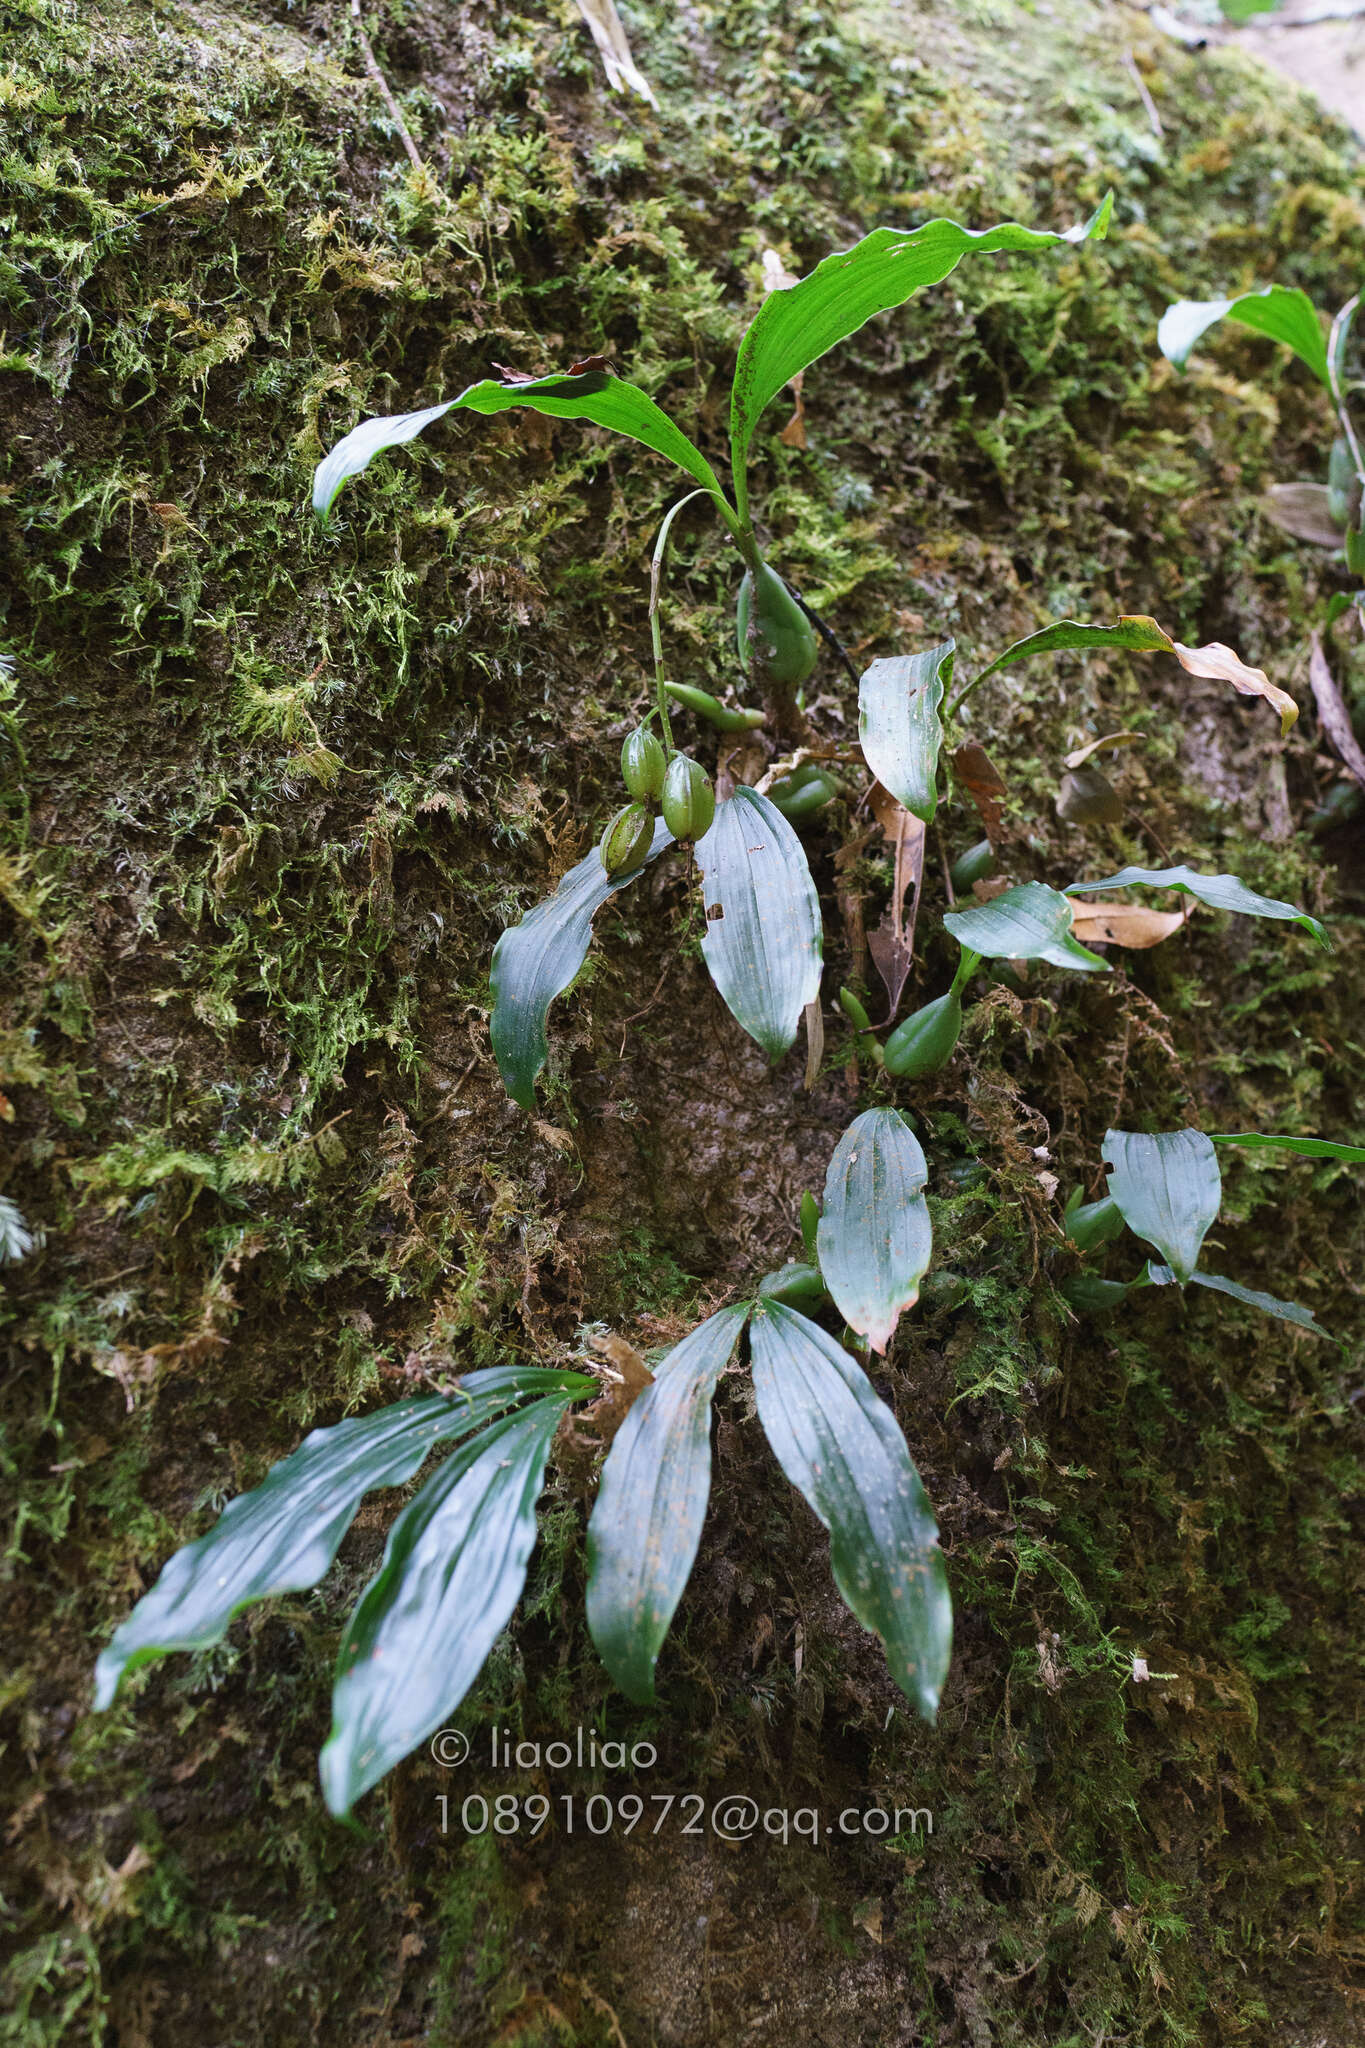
<point>899,727</point>
<point>841,1446</point>
<point>1030,922</point>
<point>1222,892</point>
<point>283,1535</point>
<point>356,450</point>
<point>874,1237</point>
<point>795,326</point>
<point>1310,1148</point>
<point>1168,1188</point>
<point>453,1571</point>
<point>646,1522</point>
<point>762,938</point>
<point>535,961</point>
<point>1269,1304</point>
<point>597,396</point>
<point>1283,312</point>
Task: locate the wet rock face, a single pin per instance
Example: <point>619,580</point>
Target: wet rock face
<point>269,798</point>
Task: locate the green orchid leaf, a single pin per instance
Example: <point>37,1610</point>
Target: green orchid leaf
<point>453,1570</point>
<point>1283,312</point>
<point>874,1238</point>
<point>796,1284</point>
<point>1269,1304</point>
<point>1310,1148</point>
<point>795,326</point>
<point>1222,892</point>
<point>762,938</point>
<point>1167,1188</point>
<point>1090,1224</point>
<point>1030,922</point>
<point>647,1519</point>
<point>536,960</point>
<point>841,1447</point>
<point>599,397</point>
<point>899,726</point>
<point>1089,1295</point>
<point>1138,635</point>
<point>283,1535</point>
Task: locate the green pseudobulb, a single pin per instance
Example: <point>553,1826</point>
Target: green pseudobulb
<point>775,635</point>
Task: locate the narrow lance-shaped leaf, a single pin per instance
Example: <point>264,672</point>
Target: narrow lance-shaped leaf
<point>453,1571</point>
<point>1283,312</point>
<point>1310,1148</point>
<point>841,1446</point>
<point>283,1535</point>
<point>1222,892</point>
<point>597,396</point>
<point>535,961</point>
<point>1269,1304</point>
<point>1136,635</point>
<point>762,938</point>
<point>795,326</point>
<point>1167,1188</point>
<point>646,1522</point>
<point>875,1239</point>
<point>1141,635</point>
<point>899,726</point>
<point>1030,922</point>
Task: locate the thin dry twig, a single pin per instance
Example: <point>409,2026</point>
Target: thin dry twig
<point>1149,106</point>
<point>378,79</point>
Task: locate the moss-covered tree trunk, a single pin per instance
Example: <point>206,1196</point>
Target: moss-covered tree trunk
<point>270,795</point>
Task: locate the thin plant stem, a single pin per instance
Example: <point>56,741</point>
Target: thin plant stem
<point>378,79</point>
<point>655,634</point>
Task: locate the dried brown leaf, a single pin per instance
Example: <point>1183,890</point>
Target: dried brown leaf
<point>892,944</point>
<point>1086,796</point>
<point>977,774</point>
<point>614,50</point>
<point>625,1376</point>
<point>1302,510</point>
<point>1080,755</point>
<point>1220,664</point>
<point>1123,924</point>
<point>815,1042</point>
<point>1332,712</point>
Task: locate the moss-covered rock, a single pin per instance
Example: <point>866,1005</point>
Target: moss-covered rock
<point>271,794</point>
